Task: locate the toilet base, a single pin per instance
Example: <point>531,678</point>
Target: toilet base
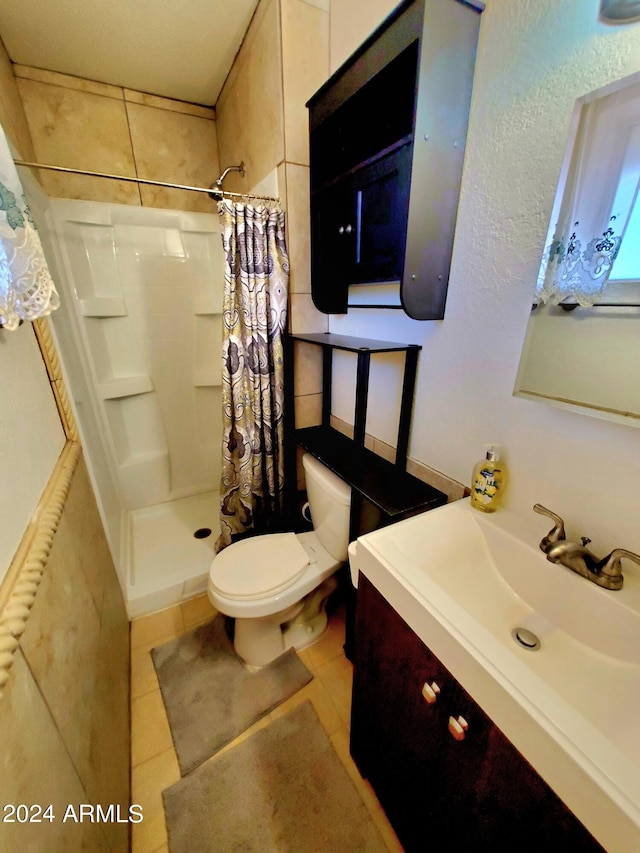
<point>260,640</point>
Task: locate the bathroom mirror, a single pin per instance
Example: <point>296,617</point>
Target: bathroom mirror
<point>583,351</point>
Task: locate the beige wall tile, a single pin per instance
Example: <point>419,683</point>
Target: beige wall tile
<point>80,84</point>
<point>108,738</point>
<point>304,316</point>
<point>305,66</point>
<point>76,643</point>
<point>298,227</point>
<point>36,768</point>
<point>325,5</point>
<point>342,426</point>
<point>80,130</point>
<point>134,97</point>
<point>308,410</point>
<point>12,117</point>
<point>351,23</point>
<point>383,449</point>
<point>307,369</point>
<point>455,491</point>
<point>249,111</point>
<point>175,148</point>
<point>61,645</point>
<point>281,177</point>
<point>91,548</point>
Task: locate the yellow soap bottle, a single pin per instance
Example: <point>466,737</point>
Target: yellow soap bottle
<point>488,482</point>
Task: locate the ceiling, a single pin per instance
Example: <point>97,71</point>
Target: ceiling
<point>179,49</point>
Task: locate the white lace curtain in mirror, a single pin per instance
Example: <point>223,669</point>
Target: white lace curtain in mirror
<point>26,288</point>
<point>597,205</point>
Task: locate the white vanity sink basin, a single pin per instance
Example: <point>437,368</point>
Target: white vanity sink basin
<point>464,581</point>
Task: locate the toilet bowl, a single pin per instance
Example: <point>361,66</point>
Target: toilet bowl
<point>276,585</point>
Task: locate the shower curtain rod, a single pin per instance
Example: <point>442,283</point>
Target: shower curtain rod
<point>209,190</point>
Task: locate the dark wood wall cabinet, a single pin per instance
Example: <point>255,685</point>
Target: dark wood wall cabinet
<point>441,769</point>
<point>387,136</point>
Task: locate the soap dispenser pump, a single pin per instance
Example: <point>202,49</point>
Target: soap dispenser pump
<point>488,481</point>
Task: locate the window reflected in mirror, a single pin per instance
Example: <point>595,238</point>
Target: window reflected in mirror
<point>582,346</point>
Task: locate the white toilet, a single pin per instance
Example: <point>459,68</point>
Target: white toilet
<point>276,585</point>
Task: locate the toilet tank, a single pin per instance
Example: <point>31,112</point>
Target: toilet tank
<point>330,502</point>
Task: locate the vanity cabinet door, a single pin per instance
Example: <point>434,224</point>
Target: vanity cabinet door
<point>441,769</point>
<point>332,241</point>
<point>396,731</point>
<point>490,798</point>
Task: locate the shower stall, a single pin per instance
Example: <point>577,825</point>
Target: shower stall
<point>139,338</point>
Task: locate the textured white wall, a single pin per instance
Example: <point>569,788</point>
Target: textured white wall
<point>534,59</point>
<point>31,436</point>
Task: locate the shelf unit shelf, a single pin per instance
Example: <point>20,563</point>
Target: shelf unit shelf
<point>395,493</point>
<point>386,485</point>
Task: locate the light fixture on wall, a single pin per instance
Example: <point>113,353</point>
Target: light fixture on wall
<point>619,11</point>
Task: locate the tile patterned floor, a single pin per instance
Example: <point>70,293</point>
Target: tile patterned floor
<point>154,763</point>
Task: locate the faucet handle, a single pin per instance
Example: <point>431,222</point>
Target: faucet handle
<point>610,565</point>
<point>556,534</point>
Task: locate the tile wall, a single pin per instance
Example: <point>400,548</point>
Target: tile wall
<point>92,126</point>
<point>283,61</point>
<point>64,712</point>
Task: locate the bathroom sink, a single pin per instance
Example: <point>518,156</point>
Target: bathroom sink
<point>492,566</point>
<point>465,582</point>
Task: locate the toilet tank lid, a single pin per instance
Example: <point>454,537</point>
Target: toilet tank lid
<point>259,565</point>
<point>330,482</point>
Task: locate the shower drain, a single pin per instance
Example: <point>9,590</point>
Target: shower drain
<point>525,638</point>
<point>202,533</point>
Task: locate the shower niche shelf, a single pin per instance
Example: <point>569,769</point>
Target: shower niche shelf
<point>125,386</point>
<point>207,378</point>
<point>103,306</point>
<point>384,491</point>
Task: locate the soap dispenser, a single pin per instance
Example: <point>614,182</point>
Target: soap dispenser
<point>488,482</point>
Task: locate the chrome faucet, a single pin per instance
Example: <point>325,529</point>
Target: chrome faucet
<point>606,572</point>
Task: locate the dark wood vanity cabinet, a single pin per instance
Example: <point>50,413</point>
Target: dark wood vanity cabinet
<point>443,772</point>
<point>386,141</point>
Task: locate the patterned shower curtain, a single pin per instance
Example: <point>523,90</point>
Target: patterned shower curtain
<point>254,318</point>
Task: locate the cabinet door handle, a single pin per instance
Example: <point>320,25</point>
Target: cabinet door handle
<point>430,692</point>
<point>458,726</point>
<point>341,229</point>
<point>348,229</point>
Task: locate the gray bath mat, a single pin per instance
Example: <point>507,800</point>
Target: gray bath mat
<point>283,790</point>
<point>210,697</point>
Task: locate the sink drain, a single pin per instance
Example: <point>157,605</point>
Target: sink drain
<point>525,638</point>
<point>202,533</point>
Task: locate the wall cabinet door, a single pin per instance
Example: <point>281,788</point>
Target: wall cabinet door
<point>358,227</point>
<point>379,195</point>
<point>332,225</point>
<point>442,770</point>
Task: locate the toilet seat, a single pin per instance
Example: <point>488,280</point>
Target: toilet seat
<point>259,566</point>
